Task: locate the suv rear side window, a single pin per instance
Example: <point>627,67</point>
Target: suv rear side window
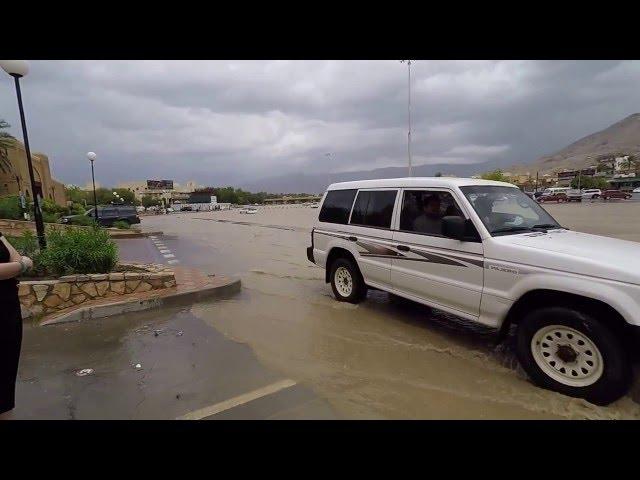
<point>337,206</point>
<point>374,208</point>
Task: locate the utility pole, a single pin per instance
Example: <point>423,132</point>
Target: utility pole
<point>579,178</point>
<point>536,182</point>
<point>409,113</point>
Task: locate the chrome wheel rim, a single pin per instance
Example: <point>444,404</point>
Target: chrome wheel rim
<point>343,281</point>
<point>567,356</point>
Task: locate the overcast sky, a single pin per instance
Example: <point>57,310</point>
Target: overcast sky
<point>223,122</point>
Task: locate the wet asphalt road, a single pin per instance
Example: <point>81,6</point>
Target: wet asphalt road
<point>379,359</point>
<point>186,365</point>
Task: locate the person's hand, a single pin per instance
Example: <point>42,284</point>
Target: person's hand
<point>28,263</point>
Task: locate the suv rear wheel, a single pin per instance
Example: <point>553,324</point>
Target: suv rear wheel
<point>570,352</point>
<point>347,282</point>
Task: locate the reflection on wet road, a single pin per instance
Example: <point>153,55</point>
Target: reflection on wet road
<point>380,359</point>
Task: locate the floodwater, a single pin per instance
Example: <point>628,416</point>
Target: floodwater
<point>383,358</point>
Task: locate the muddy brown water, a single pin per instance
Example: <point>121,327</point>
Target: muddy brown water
<point>383,358</point>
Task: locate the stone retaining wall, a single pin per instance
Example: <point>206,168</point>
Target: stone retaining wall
<point>14,228</point>
<point>46,296</point>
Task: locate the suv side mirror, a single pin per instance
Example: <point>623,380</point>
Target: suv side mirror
<point>454,227</point>
<point>460,228</point>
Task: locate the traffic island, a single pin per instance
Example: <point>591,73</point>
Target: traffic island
<point>47,296</point>
<point>190,286</point>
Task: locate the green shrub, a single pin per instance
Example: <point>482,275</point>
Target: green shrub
<point>83,220</point>
<point>77,209</point>
<point>121,224</point>
<point>49,217</point>
<point>10,208</point>
<point>79,250</point>
<point>27,245</point>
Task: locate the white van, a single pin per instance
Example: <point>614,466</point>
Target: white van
<point>485,251</point>
<point>554,190</point>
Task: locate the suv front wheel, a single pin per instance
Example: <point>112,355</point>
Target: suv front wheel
<point>347,282</point>
<point>568,351</point>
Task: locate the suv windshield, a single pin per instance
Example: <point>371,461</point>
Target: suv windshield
<point>507,210</point>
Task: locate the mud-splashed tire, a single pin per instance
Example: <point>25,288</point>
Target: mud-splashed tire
<point>347,282</point>
<point>601,370</point>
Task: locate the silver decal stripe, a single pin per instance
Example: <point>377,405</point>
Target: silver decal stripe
<point>381,250</point>
<point>439,259</point>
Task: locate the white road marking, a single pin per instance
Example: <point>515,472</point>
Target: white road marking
<point>165,251</point>
<point>239,400</point>
<point>169,255</point>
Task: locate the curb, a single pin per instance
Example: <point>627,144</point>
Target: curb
<point>174,299</point>
<point>118,235</point>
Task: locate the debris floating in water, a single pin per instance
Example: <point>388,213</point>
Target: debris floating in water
<point>84,372</point>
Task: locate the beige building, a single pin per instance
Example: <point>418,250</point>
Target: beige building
<point>14,175</point>
<point>179,191</point>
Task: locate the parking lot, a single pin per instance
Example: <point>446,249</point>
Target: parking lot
<point>613,218</point>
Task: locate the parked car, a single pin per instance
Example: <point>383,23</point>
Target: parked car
<point>186,208</point>
<point>636,190</point>
<point>574,195</point>
<point>249,210</point>
<point>591,193</point>
<point>608,194</point>
<point>107,215</point>
<point>573,297</point>
<point>553,197</point>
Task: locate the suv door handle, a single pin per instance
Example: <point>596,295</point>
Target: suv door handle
<point>352,239</point>
<point>404,248</point>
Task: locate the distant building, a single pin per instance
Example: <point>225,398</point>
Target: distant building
<point>167,190</point>
<point>14,175</point>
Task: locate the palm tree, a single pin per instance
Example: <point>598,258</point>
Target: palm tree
<point>631,163</point>
<point>6,142</point>
<point>6,139</point>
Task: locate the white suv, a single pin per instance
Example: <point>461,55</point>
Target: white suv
<point>485,251</point>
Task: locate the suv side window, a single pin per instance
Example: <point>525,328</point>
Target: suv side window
<point>423,210</point>
<point>337,206</point>
<point>109,212</point>
<point>374,208</point>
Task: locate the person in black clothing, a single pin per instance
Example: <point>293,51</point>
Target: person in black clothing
<point>12,264</point>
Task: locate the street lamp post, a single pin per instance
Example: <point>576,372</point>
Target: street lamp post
<point>409,114</point>
<point>18,69</point>
<point>92,157</point>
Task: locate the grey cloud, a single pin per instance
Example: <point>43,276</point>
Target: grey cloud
<point>226,122</point>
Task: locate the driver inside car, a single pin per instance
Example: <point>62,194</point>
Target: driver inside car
<point>430,221</point>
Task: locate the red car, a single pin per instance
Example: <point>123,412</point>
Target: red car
<point>607,194</point>
<point>554,197</point>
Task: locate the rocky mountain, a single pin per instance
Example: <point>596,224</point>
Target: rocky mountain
<point>317,183</point>
<point>622,137</point>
